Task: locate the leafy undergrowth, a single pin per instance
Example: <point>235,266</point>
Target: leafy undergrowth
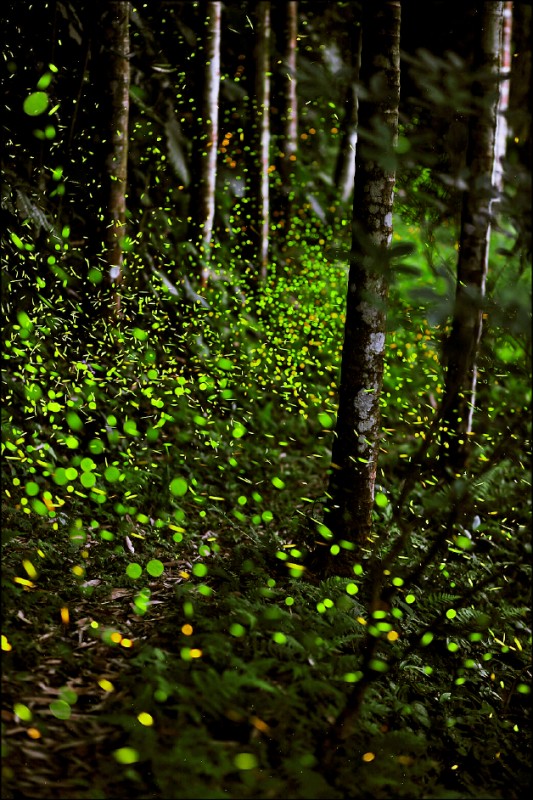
<point>166,632</point>
<point>219,676</point>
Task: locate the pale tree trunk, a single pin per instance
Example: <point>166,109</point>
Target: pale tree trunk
<point>344,174</point>
<point>204,156</point>
<point>502,127</point>
<point>118,54</point>
<point>357,435</point>
<point>288,146</point>
<point>463,343</point>
<point>263,102</point>
<point>257,201</point>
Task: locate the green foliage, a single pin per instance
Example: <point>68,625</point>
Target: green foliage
<point>185,472</point>
<point>166,617</point>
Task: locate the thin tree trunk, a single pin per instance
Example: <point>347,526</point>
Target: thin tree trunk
<point>257,201</point>
<point>520,93</point>
<point>502,127</point>
<point>519,119</point>
<point>118,52</point>
<point>288,146</point>
<point>356,443</point>
<point>344,174</point>
<point>204,157</point>
<point>463,343</point>
<point>263,102</point>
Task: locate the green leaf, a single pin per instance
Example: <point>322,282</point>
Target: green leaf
<point>22,712</point>
<point>68,695</point>
<point>401,249</point>
<point>60,709</point>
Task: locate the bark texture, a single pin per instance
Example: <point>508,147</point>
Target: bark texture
<point>463,343</point>
<point>263,113</point>
<point>502,126</point>
<point>204,155</point>
<point>343,177</point>
<point>118,52</point>
<point>287,26</point>
<point>257,183</point>
<point>357,435</point>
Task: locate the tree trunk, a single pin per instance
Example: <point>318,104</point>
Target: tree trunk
<point>343,178</point>
<point>463,343</point>
<point>502,127</point>
<point>519,119</point>
<point>263,103</point>
<point>118,51</point>
<point>204,156</point>
<point>356,443</point>
<point>255,251</point>
<point>288,145</point>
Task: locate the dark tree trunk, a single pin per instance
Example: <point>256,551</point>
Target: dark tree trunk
<point>117,44</point>
<point>357,436</point>
<point>519,118</point>
<point>286,23</point>
<point>463,343</point>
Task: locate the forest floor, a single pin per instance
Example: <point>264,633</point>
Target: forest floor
<point>52,754</point>
<point>88,682</point>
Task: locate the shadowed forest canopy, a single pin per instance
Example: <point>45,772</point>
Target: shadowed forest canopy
<point>266,391</point>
